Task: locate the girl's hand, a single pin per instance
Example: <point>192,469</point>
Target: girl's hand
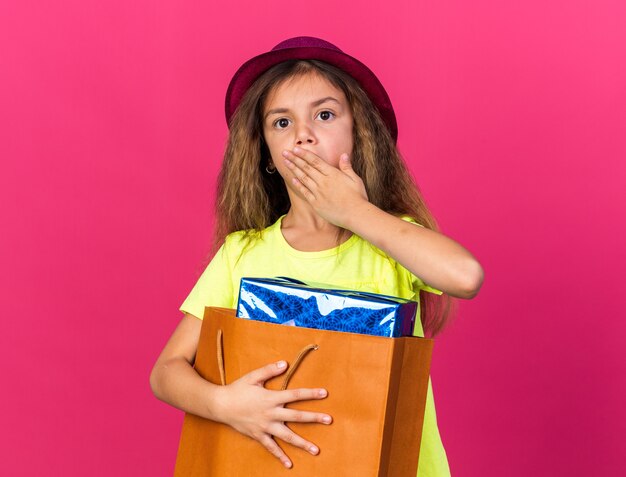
<point>260,413</point>
<point>331,191</point>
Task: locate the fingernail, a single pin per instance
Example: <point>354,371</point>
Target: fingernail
<point>286,153</point>
<point>296,149</point>
<point>313,450</point>
<point>323,392</point>
<point>287,464</point>
<point>281,364</point>
<point>326,419</point>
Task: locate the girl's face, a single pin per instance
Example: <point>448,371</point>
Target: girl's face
<point>307,111</point>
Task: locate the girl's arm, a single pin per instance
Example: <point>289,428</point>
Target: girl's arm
<point>244,404</point>
<point>438,260</point>
<point>338,195</point>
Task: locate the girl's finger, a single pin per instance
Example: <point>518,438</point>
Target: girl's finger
<point>260,375</point>
<point>293,415</point>
<point>274,449</point>
<point>296,164</point>
<point>308,195</point>
<point>299,394</point>
<point>285,434</point>
<point>345,165</point>
<point>307,180</point>
<point>311,163</point>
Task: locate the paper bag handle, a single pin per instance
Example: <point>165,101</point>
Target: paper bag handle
<point>292,369</point>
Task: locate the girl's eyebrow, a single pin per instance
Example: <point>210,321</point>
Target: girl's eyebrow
<point>313,104</point>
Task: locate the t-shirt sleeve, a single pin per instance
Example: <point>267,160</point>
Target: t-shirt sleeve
<point>213,288</point>
<point>417,282</point>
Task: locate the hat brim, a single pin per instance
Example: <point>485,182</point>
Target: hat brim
<point>254,67</point>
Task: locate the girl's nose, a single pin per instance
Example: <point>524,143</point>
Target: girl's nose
<point>304,135</point>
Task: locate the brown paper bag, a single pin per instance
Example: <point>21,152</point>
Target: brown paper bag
<point>376,396</point>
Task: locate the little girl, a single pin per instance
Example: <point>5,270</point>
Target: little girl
<point>312,187</point>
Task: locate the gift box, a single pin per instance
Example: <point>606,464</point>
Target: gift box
<point>288,301</point>
<point>376,395</point>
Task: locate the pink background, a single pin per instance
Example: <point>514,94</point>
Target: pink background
<point>512,116</point>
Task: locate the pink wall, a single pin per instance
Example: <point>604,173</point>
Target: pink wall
<point>511,114</point>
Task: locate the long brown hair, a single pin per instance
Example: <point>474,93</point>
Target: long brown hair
<point>249,199</point>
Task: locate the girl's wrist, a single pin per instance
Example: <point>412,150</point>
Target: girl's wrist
<point>217,405</point>
<point>357,218</point>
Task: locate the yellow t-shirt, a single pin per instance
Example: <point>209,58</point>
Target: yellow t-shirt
<point>355,265</point>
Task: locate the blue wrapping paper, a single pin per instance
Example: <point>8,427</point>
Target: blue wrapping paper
<point>288,301</point>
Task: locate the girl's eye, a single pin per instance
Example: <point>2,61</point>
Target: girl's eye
<point>281,123</point>
<point>326,115</point>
